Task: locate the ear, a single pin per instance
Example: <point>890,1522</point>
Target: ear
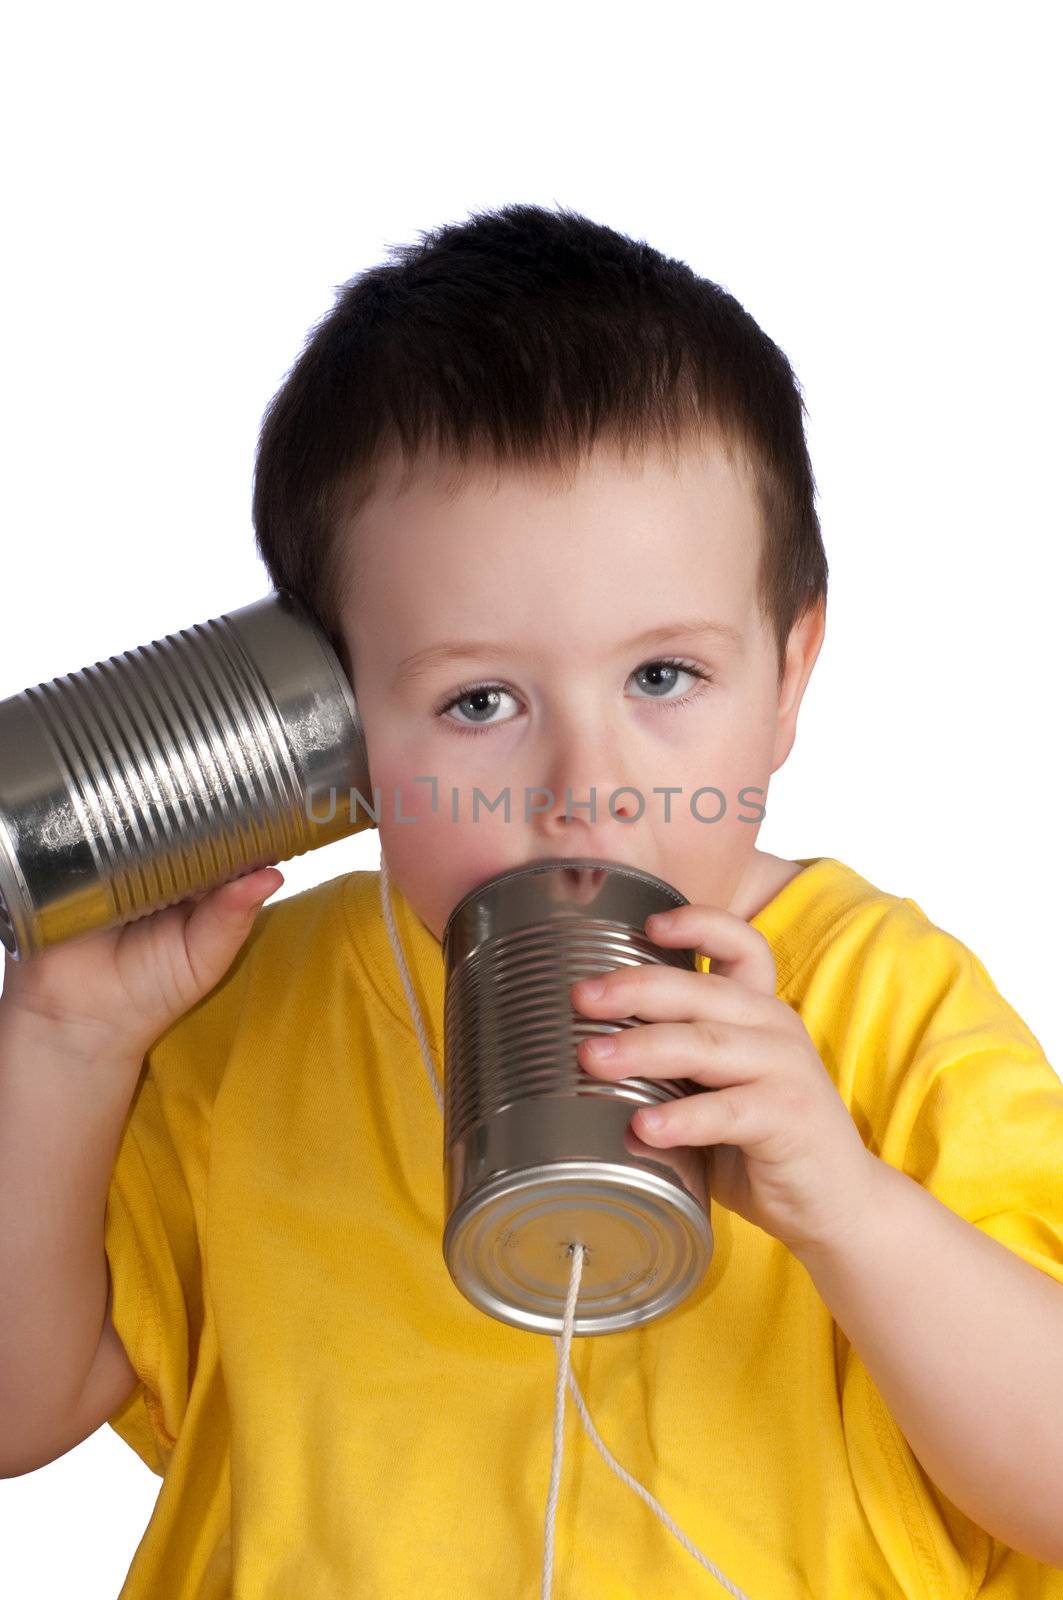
<point>802,649</point>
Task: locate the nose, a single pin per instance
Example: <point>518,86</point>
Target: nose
<point>583,799</point>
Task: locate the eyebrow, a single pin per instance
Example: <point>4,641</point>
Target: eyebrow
<point>424,661</point>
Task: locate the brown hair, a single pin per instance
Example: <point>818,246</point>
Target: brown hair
<point>521,337</point>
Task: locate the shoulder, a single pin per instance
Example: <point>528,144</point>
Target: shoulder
<point>891,997</point>
<point>312,914</point>
<point>285,958</point>
<point>933,970</point>
<point>827,924</point>
<point>865,928</point>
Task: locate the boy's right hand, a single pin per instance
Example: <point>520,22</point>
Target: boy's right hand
<point>112,993</point>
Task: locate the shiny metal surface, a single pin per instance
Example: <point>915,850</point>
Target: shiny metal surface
<point>537,1152</point>
<point>171,768</point>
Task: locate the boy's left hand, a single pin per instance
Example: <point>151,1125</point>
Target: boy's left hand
<point>794,1162</point>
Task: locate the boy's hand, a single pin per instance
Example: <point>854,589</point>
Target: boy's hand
<point>793,1162</point>
<point>112,992</point>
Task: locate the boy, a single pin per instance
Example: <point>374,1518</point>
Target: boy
<point>548,493</point>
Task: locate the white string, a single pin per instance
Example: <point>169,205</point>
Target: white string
<point>563,1345</point>
<point>577,1253</point>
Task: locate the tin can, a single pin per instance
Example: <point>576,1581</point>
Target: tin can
<point>171,768</point>
<point>537,1152</point>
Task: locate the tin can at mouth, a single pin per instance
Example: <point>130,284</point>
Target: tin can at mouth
<point>538,1156</point>
<point>172,768</point>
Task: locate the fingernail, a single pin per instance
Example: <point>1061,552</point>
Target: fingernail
<point>593,988</point>
<point>659,919</point>
<point>601,1044</point>
<point>651,1118</point>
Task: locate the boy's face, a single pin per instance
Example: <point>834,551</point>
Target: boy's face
<point>548,584</point>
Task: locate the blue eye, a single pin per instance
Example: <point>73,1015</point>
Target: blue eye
<point>670,666</point>
<point>478,692</point>
<point>486,694</point>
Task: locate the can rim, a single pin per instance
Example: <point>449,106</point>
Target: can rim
<point>325,645</point>
<point>552,864</point>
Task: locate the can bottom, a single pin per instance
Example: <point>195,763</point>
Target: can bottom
<point>508,1246</point>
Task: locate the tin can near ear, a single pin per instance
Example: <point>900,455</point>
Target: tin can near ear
<point>173,767</point>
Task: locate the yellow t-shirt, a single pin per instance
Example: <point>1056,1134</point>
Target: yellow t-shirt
<point>331,1417</point>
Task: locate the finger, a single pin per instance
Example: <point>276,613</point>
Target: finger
<point>715,1054</point>
<point>249,889</point>
<point>245,888</point>
<point>657,992</point>
<point>193,899</point>
<point>216,929</point>
<point>737,1116</point>
<point>735,948</point>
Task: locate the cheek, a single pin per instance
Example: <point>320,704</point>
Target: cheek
<point>706,845</point>
<point>402,797</point>
<point>730,759</point>
<point>438,859</point>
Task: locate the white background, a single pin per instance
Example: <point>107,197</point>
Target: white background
<point>185,188</point>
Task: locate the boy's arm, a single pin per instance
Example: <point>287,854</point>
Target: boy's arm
<point>964,1342</point>
<point>76,1024</point>
<point>61,1116</point>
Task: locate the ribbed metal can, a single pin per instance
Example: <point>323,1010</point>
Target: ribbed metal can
<point>537,1152</point>
<point>171,768</point>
